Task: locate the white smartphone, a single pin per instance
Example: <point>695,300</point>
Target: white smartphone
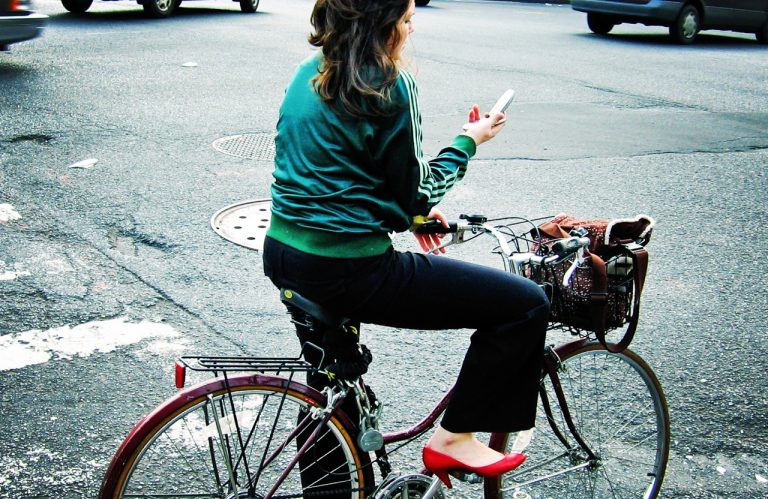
<point>501,105</point>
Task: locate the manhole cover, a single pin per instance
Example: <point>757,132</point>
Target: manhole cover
<point>244,223</point>
<point>258,146</point>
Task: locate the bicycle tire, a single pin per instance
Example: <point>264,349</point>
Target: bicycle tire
<point>176,450</point>
<point>618,408</point>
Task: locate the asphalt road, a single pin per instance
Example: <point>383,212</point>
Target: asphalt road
<point>109,272</point>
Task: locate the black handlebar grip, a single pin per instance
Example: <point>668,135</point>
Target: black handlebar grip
<point>435,227</point>
<point>565,247</point>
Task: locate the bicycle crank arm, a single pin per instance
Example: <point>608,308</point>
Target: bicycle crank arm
<point>434,486</point>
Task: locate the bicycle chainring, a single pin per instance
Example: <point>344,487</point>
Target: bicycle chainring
<point>411,486</point>
<point>243,494</point>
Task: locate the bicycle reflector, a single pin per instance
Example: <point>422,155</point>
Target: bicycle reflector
<point>180,374</point>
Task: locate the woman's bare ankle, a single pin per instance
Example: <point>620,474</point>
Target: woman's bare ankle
<point>442,440</point>
<point>463,447</point>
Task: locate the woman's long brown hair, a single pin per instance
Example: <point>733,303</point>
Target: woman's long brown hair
<point>357,38</point>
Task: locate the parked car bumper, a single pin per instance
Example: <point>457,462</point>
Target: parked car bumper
<point>19,27</point>
<point>658,10</point>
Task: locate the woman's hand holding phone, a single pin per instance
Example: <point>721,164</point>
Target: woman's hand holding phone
<point>485,128</point>
<point>478,128</point>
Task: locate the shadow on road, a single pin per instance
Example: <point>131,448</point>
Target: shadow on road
<point>703,41</point>
<point>137,14</point>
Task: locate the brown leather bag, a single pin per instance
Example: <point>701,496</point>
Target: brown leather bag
<point>604,291</point>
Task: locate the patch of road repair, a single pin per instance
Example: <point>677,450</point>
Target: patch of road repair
<point>61,474</point>
<point>8,213</point>
<point>9,272</point>
<point>63,343</point>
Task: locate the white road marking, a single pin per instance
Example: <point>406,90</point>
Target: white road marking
<point>36,346</point>
<point>8,213</point>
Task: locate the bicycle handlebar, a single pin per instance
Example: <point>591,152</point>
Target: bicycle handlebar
<point>435,227</point>
<point>476,224</point>
<point>566,247</point>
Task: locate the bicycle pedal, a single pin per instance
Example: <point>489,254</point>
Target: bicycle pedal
<point>466,476</point>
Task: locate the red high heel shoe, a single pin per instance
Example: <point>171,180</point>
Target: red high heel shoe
<point>440,464</point>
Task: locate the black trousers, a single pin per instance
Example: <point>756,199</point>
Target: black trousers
<point>497,387</point>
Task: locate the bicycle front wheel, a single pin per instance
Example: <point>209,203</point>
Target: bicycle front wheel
<point>235,442</point>
<point>618,408</point>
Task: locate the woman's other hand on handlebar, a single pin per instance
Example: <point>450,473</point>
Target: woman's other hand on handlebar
<point>485,128</point>
<point>429,242</point>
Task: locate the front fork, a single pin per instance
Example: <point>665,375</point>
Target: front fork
<point>553,365</point>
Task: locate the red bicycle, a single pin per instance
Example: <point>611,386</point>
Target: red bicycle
<point>602,427</point>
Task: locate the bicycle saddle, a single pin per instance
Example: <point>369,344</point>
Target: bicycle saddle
<point>313,309</point>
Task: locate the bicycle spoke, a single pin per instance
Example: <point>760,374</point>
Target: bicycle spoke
<point>202,458</point>
<point>185,456</point>
<point>180,494</point>
<point>331,472</point>
<point>618,412</point>
<point>296,434</point>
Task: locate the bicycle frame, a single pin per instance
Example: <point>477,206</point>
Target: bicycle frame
<point>551,366</point>
<point>230,433</point>
<point>333,405</point>
<point>552,356</point>
<point>514,262</point>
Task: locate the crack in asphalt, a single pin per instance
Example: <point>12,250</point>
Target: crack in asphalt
<point>165,296</point>
<point>67,233</point>
<point>747,148</point>
<point>40,138</point>
<point>653,102</point>
<point>646,102</point>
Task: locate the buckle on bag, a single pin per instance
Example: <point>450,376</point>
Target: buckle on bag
<point>634,247</point>
<point>548,290</point>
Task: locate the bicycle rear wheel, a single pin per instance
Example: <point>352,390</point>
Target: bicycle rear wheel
<point>618,408</point>
<point>209,441</point>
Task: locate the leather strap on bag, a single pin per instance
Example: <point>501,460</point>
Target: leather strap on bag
<point>599,296</point>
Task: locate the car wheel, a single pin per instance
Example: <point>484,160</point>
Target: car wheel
<point>249,6</point>
<point>599,23</point>
<point>686,26</point>
<point>76,6</point>
<point>422,3</point>
<point>762,34</point>
<point>159,8</point>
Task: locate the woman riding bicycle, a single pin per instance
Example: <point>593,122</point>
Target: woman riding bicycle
<point>349,170</point>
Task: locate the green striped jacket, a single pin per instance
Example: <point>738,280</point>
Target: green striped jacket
<point>341,183</point>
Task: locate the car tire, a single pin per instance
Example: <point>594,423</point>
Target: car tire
<point>687,25</point>
<point>159,9</point>
<point>77,6</point>
<point>762,34</point>
<point>249,6</point>
<point>422,3</point>
<point>599,24</point>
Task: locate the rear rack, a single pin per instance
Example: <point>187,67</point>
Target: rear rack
<point>257,364</point>
<point>227,364</point>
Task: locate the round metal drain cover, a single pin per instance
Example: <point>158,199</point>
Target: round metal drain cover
<point>244,223</point>
<point>259,146</point>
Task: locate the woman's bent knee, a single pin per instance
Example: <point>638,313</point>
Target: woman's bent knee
<point>536,299</point>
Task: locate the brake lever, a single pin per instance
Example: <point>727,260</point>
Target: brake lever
<point>457,237</point>
<point>576,263</point>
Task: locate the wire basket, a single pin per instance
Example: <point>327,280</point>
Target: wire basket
<point>572,308</point>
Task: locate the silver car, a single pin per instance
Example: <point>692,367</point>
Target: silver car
<point>684,18</point>
<point>18,22</point>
